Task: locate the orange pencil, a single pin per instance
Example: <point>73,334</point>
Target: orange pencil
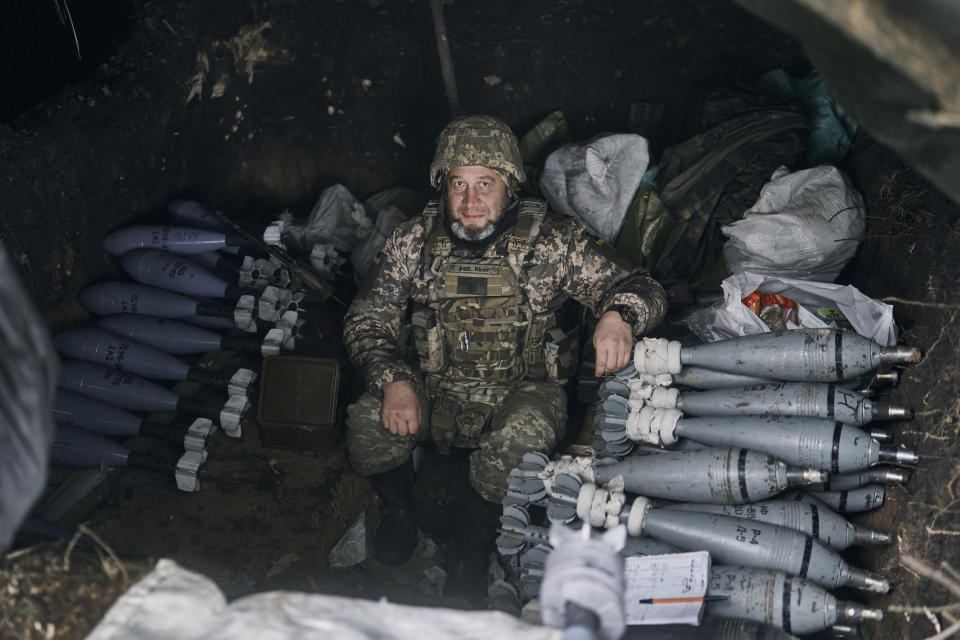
<point>681,600</point>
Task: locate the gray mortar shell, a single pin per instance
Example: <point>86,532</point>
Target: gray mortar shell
<point>167,335</point>
<point>822,355</point>
<point>210,322</point>
<point>845,631</point>
<point>193,214</point>
<point>796,605</point>
<point>218,263</point>
<point>703,378</point>
<point>749,543</point>
<point>173,273</point>
<point>812,399</point>
<point>710,628</point>
<point>863,534</point>
<point>848,481</point>
<point>719,475</point>
<point>108,298</point>
<point>646,546</point>
<point>858,500</point>
<point>180,240</point>
<point>824,444</point>
<point>116,387</point>
<point>77,447</point>
<point>103,347</point>
<point>75,409</point>
<point>823,524</point>
<point>128,391</point>
<point>119,352</point>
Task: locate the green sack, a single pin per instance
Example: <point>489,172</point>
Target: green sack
<point>645,227</point>
<point>831,129</point>
<point>548,135</point>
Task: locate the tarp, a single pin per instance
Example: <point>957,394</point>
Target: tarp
<point>28,374</point>
<point>172,603</point>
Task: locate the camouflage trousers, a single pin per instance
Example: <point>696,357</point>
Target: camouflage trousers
<point>532,417</point>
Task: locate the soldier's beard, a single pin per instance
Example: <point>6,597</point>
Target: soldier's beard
<point>484,232</point>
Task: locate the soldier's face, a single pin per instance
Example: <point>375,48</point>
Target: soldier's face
<point>477,197</point>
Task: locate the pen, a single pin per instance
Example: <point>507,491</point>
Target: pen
<point>681,600</point>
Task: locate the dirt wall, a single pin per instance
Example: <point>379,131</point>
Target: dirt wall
<point>257,106</point>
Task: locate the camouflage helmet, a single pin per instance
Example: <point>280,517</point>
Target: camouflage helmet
<point>483,141</point>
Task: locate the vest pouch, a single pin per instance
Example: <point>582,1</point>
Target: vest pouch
<point>454,423</point>
<point>558,353</point>
<point>428,341</point>
<point>471,421</point>
<point>443,428</point>
<point>481,339</point>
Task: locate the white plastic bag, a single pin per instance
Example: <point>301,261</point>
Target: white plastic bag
<point>338,219</point>
<point>595,182</point>
<point>732,318</point>
<point>173,603</point>
<point>806,224</point>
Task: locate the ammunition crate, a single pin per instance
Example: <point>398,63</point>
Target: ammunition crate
<point>298,402</point>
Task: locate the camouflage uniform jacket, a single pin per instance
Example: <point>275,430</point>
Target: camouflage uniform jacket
<point>564,260</point>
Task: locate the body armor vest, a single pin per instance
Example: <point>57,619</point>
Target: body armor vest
<point>477,329</point>
<point>477,336</point>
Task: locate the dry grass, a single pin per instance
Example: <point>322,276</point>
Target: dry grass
<point>52,592</point>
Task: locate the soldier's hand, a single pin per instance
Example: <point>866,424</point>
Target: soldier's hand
<point>612,343</point>
<point>401,408</point>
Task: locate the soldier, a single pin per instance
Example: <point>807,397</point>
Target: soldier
<point>485,274</point>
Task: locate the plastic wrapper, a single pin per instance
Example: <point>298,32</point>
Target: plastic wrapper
<point>819,305</point>
<point>775,310</point>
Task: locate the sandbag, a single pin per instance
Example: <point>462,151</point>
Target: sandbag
<point>28,374</point>
<point>337,218</point>
<point>172,603</point>
<point>806,225</point>
<point>387,208</point>
<point>595,182</point>
<point>388,219</point>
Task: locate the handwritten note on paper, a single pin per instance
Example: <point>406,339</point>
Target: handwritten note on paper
<point>666,589</point>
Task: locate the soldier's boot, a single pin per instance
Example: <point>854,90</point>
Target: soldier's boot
<point>396,536</point>
<point>470,549</point>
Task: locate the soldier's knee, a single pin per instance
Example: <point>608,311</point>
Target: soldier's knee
<point>526,430</point>
<point>370,447</point>
<point>488,476</point>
